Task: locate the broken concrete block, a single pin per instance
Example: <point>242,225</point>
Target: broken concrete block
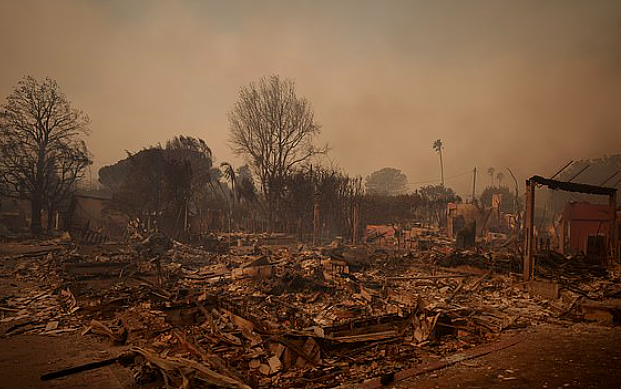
<point>264,369</point>
<point>275,364</point>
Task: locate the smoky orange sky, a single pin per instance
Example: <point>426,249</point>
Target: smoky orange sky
<point>528,85</point>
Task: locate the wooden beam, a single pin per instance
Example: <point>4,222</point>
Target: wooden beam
<point>356,221</point>
<point>529,270</point>
<point>614,234</point>
<point>573,187</point>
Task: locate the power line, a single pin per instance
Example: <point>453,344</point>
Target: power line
<point>563,168</point>
<point>579,173</point>
<point>440,180</point>
<point>609,178</point>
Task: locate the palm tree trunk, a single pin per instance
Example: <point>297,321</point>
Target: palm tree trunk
<point>441,167</point>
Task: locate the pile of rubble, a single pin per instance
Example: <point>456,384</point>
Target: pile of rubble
<point>277,316</point>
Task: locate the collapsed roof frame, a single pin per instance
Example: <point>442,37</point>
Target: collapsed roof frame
<point>531,184</point>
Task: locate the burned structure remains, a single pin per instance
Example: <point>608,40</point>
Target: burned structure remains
<point>310,194</point>
<point>253,310</point>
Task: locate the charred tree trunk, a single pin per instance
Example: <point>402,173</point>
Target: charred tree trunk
<point>35,211</point>
<point>50,218</point>
<point>36,202</point>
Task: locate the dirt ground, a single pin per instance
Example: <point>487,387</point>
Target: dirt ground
<point>581,356</point>
<point>24,358</point>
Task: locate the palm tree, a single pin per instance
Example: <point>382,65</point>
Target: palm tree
<point>229,172</point>
<point>491,171</point>
<point>499,177</point>
<point>437,146</point>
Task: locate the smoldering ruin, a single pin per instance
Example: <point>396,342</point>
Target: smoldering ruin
<point>265,252</point>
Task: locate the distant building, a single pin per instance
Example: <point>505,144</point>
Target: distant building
<point>87,212</point>
<point>14,215</point>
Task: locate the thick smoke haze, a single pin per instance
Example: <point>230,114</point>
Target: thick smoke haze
<point>528,85</point>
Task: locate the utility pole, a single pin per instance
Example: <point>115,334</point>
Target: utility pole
<point>474,183</point>
<point>315,221</point>
<point>356,221</point>
<point>529,233</point>
<point>315,209</point>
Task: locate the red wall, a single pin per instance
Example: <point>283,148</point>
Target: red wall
<point>586,219</point>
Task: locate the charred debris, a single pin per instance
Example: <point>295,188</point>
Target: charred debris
<point>364,284</point>
<point>263,310</point>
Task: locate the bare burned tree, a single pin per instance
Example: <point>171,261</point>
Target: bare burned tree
<point>275,130</point>
<point>41,154</point>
